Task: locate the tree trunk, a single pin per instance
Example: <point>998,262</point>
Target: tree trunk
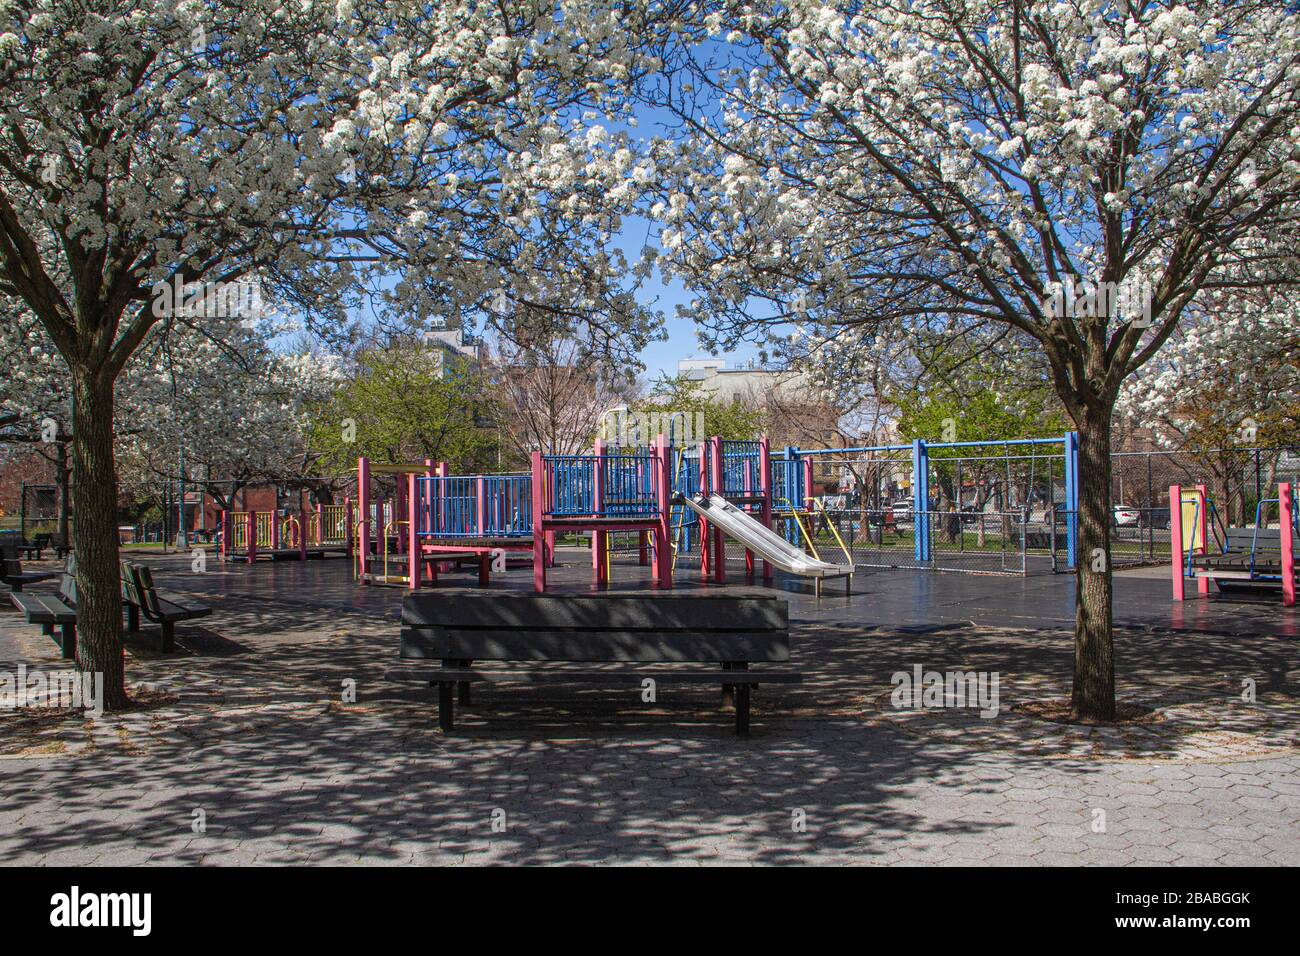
<point>94,498</point>
<point>1093,695</point>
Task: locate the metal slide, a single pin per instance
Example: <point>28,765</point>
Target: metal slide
<point>764,542</point>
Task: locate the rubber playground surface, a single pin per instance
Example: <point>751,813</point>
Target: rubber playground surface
<point>249,723</point>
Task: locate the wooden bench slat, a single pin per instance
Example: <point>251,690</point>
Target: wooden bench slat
<point>440,643</point>
<point>492,609</point>
<point>622,676</point>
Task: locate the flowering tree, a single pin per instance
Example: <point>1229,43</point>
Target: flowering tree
<point>157,159</point>
<point>1230,375</point>
<point>1226,382</point>
<point>217,417</point>
<point>1078,172</point>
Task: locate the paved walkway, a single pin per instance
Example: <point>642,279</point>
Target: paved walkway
<point>248,734</point>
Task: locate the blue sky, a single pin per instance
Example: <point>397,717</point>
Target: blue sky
<point>662,357</point>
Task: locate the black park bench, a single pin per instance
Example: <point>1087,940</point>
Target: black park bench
<point>140,596</point>
<point>54,610</point>
<point>12,574</point>
<point>730,632</point>
<point>33,549</point>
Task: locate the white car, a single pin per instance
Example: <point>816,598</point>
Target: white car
<point>1126,515</point>
<point>902,509</point>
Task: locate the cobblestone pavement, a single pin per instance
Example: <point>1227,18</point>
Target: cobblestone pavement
<point>250,736</point>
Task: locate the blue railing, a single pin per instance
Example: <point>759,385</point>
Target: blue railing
<point>629,485</point>
<point>740,467</point>
<point>448,507</point>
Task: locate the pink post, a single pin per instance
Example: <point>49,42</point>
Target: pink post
<point>1286,512</point>
<point>250,552</point>
<point>807,484</point>
<point>599,537</point>
<point>662,533</point>
<point>363,522</point>
<point>304,522</point>
<point>717,486</point>
<point>706,489</point>
<point>412,534</point>
<point>1176,555</point>
<point>765,489</point>
<point>539,534</point>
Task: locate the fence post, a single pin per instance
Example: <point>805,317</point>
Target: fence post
<point>250,522</point>
<point>789,482</point>
<point>1071,443</point>
<point>480,506</point>
<point>920,500</point>
<point>1286,526</point>
<point>225,533</point>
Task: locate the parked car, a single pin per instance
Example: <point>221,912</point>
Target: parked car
<point>1125,516</point>
<point>1155,518</point>
<point>902,509</point>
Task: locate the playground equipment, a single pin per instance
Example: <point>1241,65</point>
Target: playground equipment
<point>436,520</point>
<point>911,505</point>
<point>1235,559</point>
<point>280,534</point>
<point>726,518</point>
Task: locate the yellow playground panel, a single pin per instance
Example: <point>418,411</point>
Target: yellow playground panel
<point>1193,519</point>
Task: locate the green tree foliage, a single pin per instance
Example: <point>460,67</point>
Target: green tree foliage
<point>403,406</point>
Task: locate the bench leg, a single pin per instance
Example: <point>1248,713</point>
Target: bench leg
<point>445,705</point>
<point>168,637</point>
<point>47,630</point>
<point>462,687</point>
<point>132,618</point>
<point>742,710</point>
<point>728,690</point>
<point>68,641</point>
